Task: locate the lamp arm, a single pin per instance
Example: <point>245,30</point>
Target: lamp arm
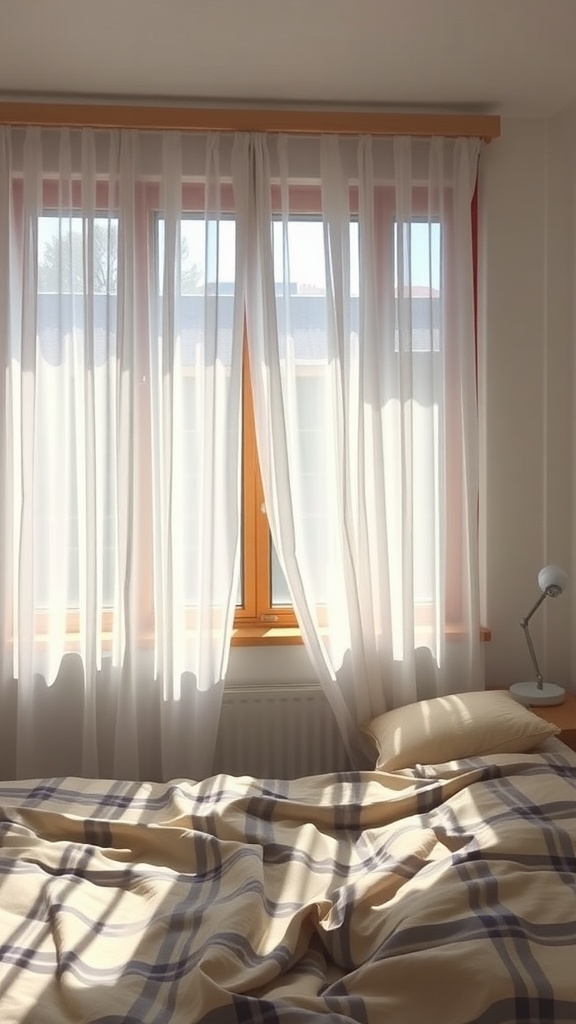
<point>524,623</point>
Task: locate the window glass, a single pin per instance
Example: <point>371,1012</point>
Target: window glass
<point>417,263</point>
<point>300,280</point>
<point>204,274</point>
<point>417,269</point>
<point>77,258</point>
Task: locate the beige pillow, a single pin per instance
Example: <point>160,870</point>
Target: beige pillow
<point>459,725</point>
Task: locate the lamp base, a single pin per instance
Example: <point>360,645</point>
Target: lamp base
<point>533,696</point>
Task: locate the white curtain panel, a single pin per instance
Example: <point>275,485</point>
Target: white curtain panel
<point>121,358</point>
<point>365,408</point>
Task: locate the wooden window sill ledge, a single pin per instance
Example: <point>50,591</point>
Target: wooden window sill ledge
<point>274,635</point>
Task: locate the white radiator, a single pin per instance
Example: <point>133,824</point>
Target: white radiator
<point>280,732</point>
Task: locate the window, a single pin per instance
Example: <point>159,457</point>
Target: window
<point>263,599</point>
<point>412,256</point>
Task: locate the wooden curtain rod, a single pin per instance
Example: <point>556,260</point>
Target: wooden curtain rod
<point>202,119</point>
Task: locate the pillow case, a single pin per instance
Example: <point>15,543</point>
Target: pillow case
<point>455,726</point>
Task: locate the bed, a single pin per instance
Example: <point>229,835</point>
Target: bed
<point>438,893</point>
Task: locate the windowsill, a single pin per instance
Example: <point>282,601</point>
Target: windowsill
<point>257,636</point>
<point>267,635</point>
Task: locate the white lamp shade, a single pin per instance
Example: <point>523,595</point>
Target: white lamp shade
<point>553,578</point>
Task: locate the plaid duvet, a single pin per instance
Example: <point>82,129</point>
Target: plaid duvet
<point>441,895</point>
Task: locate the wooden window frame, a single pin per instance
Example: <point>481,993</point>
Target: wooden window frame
<point>256,615</point>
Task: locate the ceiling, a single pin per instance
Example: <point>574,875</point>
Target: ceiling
<point>512,57</point>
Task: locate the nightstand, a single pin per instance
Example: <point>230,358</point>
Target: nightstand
<point>564,716</point>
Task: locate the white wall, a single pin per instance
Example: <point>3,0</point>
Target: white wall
<point>269,664</point>
<point>526,368</point>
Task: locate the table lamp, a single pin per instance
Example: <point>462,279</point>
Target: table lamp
<point>552,582</point>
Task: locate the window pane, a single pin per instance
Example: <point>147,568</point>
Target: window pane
<point>417,262</point>
<point>302,318</point>
<point>203,314</point>
<point>65,245</point>
<point>418,255</point>
<point>300,276</point>
<point>280,593</point>
<point>69,248</point>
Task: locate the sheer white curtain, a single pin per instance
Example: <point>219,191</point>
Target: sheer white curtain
<point>127,261</point>
<point>119,450</point>
<point>360,318</point>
